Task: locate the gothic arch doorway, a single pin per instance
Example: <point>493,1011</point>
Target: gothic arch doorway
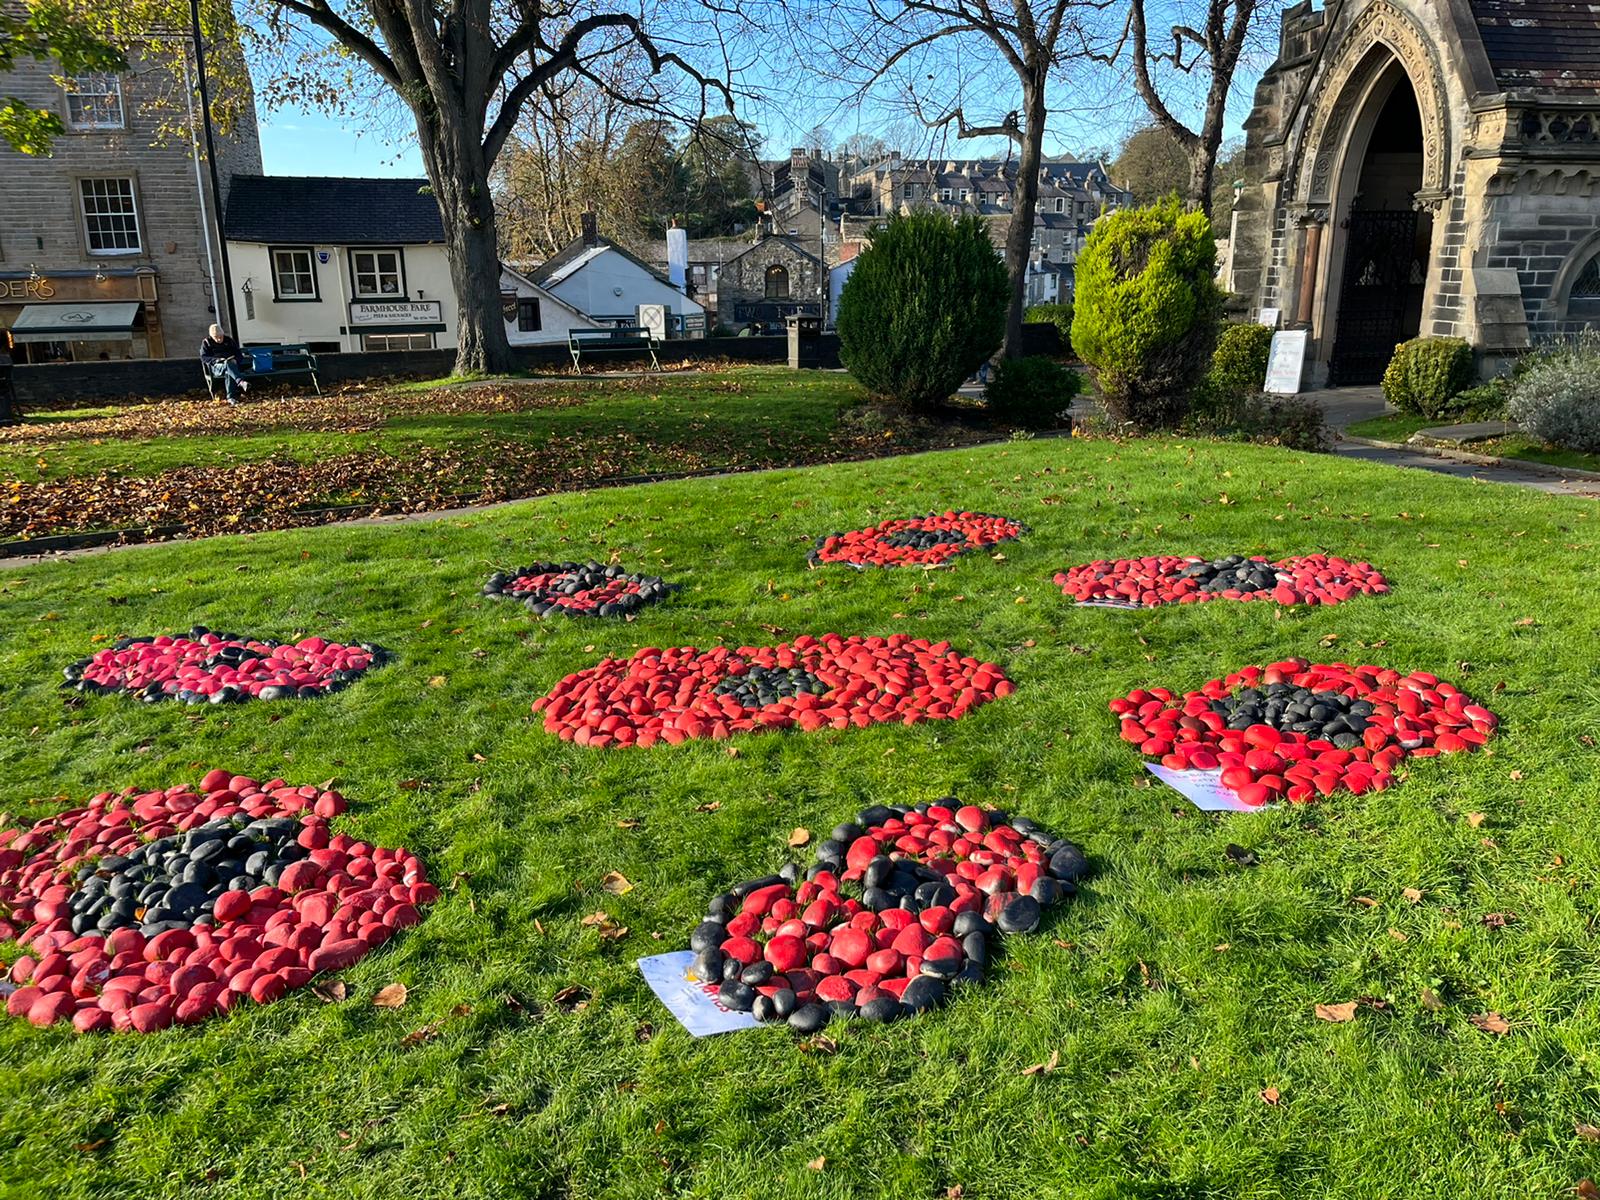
<point>1377,272</point>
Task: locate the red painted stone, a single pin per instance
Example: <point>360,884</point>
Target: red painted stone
<point>673,693</point>
<point>1414,715</point>
<point>915,541</point>
<point>1310,579</point>
<point>266,940</point>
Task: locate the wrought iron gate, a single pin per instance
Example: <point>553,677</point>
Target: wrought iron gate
<point>1382,286</point>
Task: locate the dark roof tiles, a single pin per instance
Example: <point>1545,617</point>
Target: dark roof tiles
<point>332,210</point>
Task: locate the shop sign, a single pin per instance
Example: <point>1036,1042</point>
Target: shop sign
<point>395,312</point>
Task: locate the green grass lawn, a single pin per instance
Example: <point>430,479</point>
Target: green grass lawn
<point>1398,427</point>
<point>1176,991</point>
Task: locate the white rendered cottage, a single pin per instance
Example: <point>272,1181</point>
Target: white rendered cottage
<point>359,264</point>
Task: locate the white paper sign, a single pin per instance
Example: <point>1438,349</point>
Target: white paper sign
<point>1203,789</point>
<point>1286,361</point>
<point>692,1002</point>
<point>1269,317</point>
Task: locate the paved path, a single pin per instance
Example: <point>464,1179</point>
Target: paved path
<point>1345,406</point>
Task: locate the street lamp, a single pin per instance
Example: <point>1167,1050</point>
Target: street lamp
<point>211,161</point>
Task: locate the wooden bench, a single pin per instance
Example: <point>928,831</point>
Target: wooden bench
<point>628,339</point>
<point>285,360</point>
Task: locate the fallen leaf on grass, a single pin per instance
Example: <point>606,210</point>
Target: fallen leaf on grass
<point>1337,1013</point>
<point>438,681</point>
<point>709,806</point>
<point>601,921</point>
<point>409,785</point>
<point>390,996</point>
<point>1499,920</point>
<point>1586,1190</point>
<point>817,1163</point>
<point>574,998</point>
<point>1364,901</point>
<point>616,883</point>
<point>1491,1022</point>
<point>799,837</point>
<point>1430,1000</point>
<point>330,991</point>
<point>1412,894</point>
<point>628,823</point>
<point>1516,777</point>
<point>433,1028</point>
<point>91,1147</point>
<point>1398,936</point>
<point>821,1044</point>
<point>1589,1133</point>
<point>1476,820</point>
<point>1044,1068</point>
<point>1270,1095</point>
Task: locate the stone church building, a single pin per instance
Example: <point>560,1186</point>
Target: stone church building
<point>1424,166</point>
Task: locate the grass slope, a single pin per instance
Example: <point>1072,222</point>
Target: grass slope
<point>1176,990</point>
<point>740,411</point>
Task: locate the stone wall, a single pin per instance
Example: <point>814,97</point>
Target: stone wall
<point>63,384</point>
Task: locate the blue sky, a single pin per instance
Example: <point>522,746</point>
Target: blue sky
<point>305,142</point>
<point>296,141</point>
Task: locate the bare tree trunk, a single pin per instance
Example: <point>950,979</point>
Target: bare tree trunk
<point>1024,204</point>
<point>460,178</point>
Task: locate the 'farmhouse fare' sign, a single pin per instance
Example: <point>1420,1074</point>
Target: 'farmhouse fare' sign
<point>396,312</point>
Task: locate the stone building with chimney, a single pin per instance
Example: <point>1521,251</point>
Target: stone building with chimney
<point>1424,167</point>
<point>109,246</point>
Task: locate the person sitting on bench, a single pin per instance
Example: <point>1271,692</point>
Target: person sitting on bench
<point>222,359</point>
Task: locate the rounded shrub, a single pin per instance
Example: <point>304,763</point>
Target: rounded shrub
<point>1059,315</point>
<point>1426,374</point>
<point>924,307</point>
<point>1146,310</point>
<point>1034,392</point>
<point>1238,369</point>
<point>1557,399</point>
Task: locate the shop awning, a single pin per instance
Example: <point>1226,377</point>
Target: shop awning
<point>104,321</point>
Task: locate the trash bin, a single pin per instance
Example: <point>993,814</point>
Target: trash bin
<point>805,350</point>
<point>8,396</point>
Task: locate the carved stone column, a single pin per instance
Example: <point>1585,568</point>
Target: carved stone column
<point>1312,220</point>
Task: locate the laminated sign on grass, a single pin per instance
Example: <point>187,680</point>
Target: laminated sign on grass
<point>900,906</point>
<point>201,667</point>
<point>576,589</point>
<point>1296,730</point>
<point>145,909</point>
<point>1169,579</point>
<point>812,683</point>
<point>915,541</point>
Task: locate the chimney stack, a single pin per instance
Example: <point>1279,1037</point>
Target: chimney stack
<point>591,228</point>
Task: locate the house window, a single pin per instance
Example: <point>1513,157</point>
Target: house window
<point>963,195</point>
<point>293,275</point>
<point>110,220</point>
<point>1061,206</point>
<point>944,194</point>
<point>777,283</point>
<point>397,341</point>
<point>376,273</point>
<point>94,101</point>
<point>528,318</point>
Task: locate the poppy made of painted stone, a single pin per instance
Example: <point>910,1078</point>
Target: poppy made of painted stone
<point>1309,579</point>
<point>812,683</point>
<point>145,909</point>
<point>900,906</point>
<point>203,666</point>
<point>577,589</point>
<point>915,541</point>
<point>1296,731</point>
